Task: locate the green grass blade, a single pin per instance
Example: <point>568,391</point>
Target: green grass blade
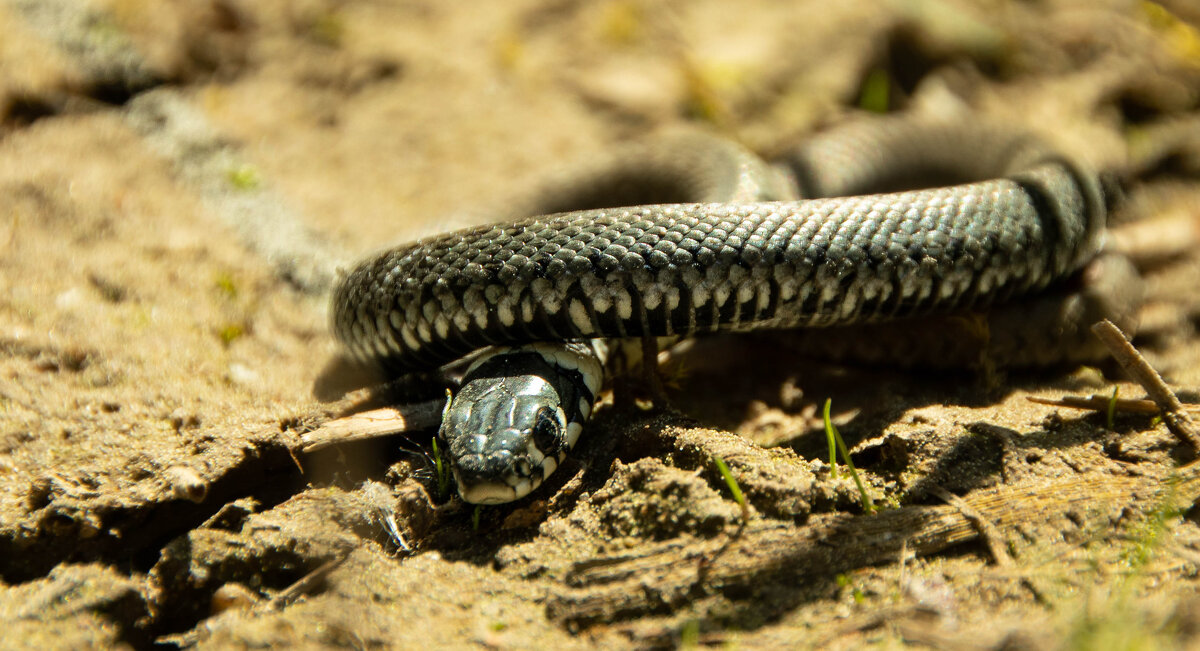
<point>874,95</point>
<point>830,432</point>
<point>439,468</point>
<point>734,488</point>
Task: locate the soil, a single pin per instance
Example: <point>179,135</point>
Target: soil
<point>180,183</point>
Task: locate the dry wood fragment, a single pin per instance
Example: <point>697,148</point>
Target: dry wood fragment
<point>1135,364</point>
<point>374,424</point>
<point>305,584</point>
<point>991,537</point>
<point>1099,403</point>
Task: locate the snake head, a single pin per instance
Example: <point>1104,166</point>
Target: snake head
<point>511,424</point>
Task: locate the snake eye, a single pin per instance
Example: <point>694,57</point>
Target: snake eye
<point>546,432</point>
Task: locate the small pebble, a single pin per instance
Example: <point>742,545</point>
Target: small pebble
<point>233,595</point>
<point>186,484</point>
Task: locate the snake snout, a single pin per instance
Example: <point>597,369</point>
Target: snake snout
<point>496,467</point>
<point>494,454</point>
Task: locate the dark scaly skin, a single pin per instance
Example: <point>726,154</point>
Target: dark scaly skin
<point>685,268</point>
<point>732,262</point>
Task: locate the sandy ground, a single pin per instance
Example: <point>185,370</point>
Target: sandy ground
<point>179,183</point>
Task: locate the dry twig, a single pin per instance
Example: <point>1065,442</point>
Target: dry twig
<point>373,424</point>
<point>1135,364</point>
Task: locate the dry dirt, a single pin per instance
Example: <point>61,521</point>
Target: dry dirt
<point>179,182</point>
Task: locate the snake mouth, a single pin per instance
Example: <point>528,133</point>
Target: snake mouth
<point>492,492</point>
<point>500,477</point>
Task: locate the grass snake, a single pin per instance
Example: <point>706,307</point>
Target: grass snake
<point>692,234</point>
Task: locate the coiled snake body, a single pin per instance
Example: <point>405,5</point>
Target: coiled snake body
<point>711,252</point>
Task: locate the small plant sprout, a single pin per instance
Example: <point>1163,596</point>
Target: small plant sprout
<point>443,475</point>
<point>736,490</point>
<point>244,177</point>
<point>874,95</point>
<point>439,467</point>
<point>832,433</point>
<point>844,581</point>
<point>689,634</point>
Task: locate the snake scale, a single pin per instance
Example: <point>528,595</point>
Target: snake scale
<point>682,238</point>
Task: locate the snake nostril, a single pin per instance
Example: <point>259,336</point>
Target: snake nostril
<point>524,469</point>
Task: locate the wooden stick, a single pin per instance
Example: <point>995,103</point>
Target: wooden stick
<point>374,424</point>
<point>1135,364</point>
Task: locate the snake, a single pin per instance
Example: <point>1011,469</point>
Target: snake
<point>693,234</point>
